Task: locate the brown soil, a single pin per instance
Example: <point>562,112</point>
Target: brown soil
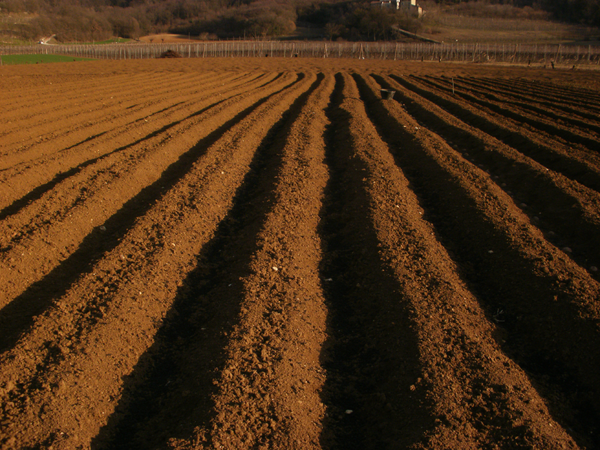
<point>245,254</point>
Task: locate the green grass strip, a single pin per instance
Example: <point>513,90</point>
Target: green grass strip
<point>39,59</point>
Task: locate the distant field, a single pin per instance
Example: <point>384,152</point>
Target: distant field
<point>501,24</point>
<point>37,59</point>
<point>494,30</point>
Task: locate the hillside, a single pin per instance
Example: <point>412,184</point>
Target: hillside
<point>99,20</point>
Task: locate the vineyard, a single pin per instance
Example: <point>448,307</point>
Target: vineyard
<point>525,54</point>
<point>273,254</point>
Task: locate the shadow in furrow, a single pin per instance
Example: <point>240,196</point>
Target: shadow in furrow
<point>523,100</point>
<point>544,110</point>
<point>168,394</point>
<point>88,139</point>
<point>91,138</point>
<point>546,156</point>
<point>18,315</point>
<point>141,107</point>
<point>548,206</point>
<point>587,97</point>
<point>38,192</point>
<point>540,325</point>
<point>501,110</point>
<point>371,354</point>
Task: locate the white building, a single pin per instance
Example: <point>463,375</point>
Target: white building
<point>410,6</point>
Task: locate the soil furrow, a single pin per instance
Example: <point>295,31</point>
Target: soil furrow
<point>47,96</point>
<point>549,104</point>
<point>553,203</point>
<point>275,348</point>
<point>569,94</point>
<point>33,179</point>
<point>107,133</point>
<point>30,270</point>
<point>504,260</point>
<point>134,283</point>
<point>69,107</point>
<point>405,331</point>
<point>99,91</point>
<point>79,127</point>
<point>367,313</point>
<point>561,160</point>
<point>47,138</point>
<point>249,253</point>
<point>262,312</point>
<point>549,129</point>
<point>548,110</point>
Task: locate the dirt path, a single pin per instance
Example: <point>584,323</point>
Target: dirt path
<point>243,254</point>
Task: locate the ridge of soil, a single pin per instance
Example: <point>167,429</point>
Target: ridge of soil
<point>253,254</point>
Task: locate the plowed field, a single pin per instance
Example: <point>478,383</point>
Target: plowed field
<point>267,254</point>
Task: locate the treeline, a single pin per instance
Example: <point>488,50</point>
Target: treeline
<point>243,19</point>
<point>97,20</point>
<point>577,11</point>
<point>348,20</point>
<point>357,20</point>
